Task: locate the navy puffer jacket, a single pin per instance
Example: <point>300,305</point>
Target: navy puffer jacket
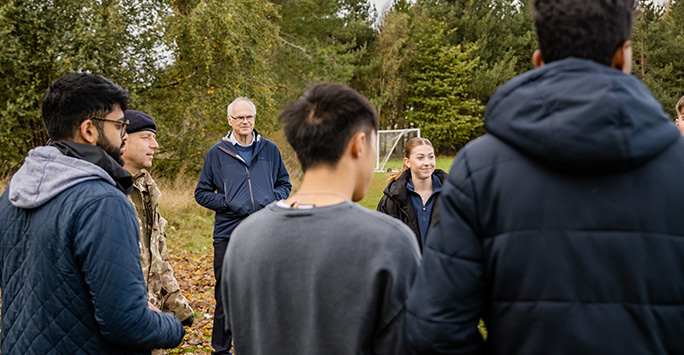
<point>70,264</point>
<point>562,228</point>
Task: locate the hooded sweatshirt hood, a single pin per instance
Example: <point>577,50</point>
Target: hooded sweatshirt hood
<point>47,172</point>
<point>579,115</point>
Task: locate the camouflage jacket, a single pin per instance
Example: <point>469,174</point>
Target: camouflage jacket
<point>162,288</point>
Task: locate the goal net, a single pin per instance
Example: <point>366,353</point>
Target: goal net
<point>391,146</point>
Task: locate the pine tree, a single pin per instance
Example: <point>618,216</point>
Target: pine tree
<point>438,100</point>
<point>658,44</point>
<point>321,40</point>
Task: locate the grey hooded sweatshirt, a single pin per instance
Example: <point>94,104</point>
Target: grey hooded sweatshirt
<point>70,270</point>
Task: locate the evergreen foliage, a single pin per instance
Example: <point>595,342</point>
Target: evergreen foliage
<point>658,44</point>
<point>221,50</point>
<point>321,41</point>
<point>432,64</point>
<point>41,41</point>
<point>438,100</point>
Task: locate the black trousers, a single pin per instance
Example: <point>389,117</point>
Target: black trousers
<point>220,339</point>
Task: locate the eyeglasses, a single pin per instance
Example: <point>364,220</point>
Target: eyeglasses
<point>243,118</point>
<point>123,124</point>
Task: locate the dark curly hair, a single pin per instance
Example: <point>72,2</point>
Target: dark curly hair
<point>588,29</point>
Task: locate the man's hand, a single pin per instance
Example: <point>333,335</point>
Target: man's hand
<point>152,307</point>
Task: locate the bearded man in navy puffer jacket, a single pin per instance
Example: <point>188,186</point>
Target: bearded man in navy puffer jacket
<point>562,228</point>
<point>70,269</point>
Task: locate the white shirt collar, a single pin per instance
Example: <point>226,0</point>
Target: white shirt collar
<point>232,140</point>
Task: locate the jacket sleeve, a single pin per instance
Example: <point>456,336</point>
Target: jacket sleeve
<point>389,207</point>
<point>382,205</point>
<point>207,194</point>
<point>106,248</point>
<point>282,186</point>
<point>447,297</point>
<point>174,302</point>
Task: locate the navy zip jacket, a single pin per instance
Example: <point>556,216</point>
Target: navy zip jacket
<point>562,228</point>
<point>234,190</point>
<point>70,264</point>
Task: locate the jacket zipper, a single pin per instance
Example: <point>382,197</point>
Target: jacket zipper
<point>251,194</point>
<point>249,176</point>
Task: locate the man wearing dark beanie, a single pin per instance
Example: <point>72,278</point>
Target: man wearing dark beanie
<point>162,288</point>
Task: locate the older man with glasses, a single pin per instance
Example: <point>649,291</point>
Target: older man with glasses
<point>241,174</point>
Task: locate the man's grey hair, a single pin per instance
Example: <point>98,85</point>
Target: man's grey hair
<point>245,99</point>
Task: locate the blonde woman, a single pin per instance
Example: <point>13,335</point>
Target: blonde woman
<point>412,193</point>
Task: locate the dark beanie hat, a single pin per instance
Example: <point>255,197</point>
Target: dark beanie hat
<point>139,122</point>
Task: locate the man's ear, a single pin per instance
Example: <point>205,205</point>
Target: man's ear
<point>87,133</point>
<point>358,144</point>
<point>537,59</point>
<point>622,58</point>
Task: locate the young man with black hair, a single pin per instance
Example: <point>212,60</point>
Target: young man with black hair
<point>317,273</point>
<point>562,227</point>
<point>69,257</point>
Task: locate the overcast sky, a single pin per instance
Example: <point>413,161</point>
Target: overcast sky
<point>380,4</point>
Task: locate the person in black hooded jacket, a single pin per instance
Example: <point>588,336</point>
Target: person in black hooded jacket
<point>562,228</point>
<point>415,188</point>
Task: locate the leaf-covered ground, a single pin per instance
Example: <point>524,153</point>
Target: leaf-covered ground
<point>195,274</point>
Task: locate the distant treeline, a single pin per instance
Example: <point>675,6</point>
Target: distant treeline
<point>432,64</point>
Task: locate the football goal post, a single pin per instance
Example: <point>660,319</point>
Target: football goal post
<point>391,143</point>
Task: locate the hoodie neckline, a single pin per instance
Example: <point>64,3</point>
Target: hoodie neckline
<point>579,115</point>
<point>99,157</point>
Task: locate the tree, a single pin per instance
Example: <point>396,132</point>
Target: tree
<point>387,78</point>
<point>658,42</point>
<point>321,40</point>
<point>501,30</point>
<point>438,99</point>
<point>221,49</point>
<point>41,41</point>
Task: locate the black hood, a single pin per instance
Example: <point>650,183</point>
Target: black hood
<point>582,116</point>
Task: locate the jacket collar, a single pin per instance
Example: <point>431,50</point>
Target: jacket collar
<point>99,157</point>
<point>230,138</point>
<point>233,140</point>
<point>396,189</point>
<point>227,144</point>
